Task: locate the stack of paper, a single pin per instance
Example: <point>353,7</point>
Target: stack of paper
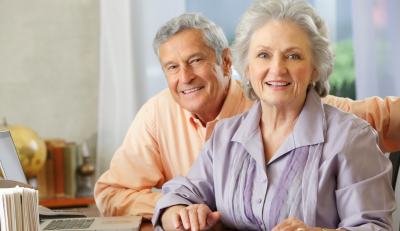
<point>19,209</point>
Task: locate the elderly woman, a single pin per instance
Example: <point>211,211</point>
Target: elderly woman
<point>291,162</point>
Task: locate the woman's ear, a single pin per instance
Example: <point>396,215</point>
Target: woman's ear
<point>314,74</point>
<point>247,72</point>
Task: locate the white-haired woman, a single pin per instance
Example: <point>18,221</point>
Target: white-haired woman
<point>291,162</point>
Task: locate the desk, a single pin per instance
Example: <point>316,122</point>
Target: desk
<point>64,202</point>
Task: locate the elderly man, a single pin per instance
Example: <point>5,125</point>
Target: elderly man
<point>169,130</point>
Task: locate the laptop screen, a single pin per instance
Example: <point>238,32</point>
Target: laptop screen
<point>9,161</point>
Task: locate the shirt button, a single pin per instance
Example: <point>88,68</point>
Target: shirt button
<point>264,180</point>
<point>259,200</point>
<point>259,222</point>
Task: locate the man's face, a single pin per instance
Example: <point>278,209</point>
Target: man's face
<point>194,77</point>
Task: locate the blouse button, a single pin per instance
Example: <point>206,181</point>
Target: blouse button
<point>264,180</point>
<point>259,200</point>
<point>259,222</point>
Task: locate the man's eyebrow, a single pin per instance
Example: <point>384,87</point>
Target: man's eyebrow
<point>199,53</point>
<point>195,54</point>
<point>167,63</point>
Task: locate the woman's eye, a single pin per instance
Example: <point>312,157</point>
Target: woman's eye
<point>263,55</point>
<point>294,56</point>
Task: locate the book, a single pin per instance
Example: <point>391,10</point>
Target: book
<point>70,169</point>
<point>50,179</point>
<point>19,209</point>
<point>41,178</point>
<point>59,171</point>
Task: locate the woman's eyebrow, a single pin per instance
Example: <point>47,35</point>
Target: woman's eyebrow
<point>293,49</point>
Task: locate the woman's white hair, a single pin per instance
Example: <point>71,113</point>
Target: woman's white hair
<point>298,12</point>
<point>213,35</point>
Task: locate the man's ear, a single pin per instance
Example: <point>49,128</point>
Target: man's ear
<point>227,61</point>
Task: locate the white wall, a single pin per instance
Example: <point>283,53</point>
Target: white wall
<point>49,66</point>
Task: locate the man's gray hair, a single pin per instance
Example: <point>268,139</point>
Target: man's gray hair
<point>300,13</point>
<point>213,35</point>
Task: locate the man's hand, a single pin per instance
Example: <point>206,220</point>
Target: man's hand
<point>194,217</point>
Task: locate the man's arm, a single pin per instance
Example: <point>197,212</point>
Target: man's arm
<point>136,167</point>
<point>383,115</point>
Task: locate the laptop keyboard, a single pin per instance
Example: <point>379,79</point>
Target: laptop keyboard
<point>69,224</point>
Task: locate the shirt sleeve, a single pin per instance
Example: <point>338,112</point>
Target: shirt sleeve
<point>136,167</point>
<point>382,115</point>
<point>196,188</point>
<point>364,196</point>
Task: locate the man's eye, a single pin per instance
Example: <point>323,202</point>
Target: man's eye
<point>294,56</point>
<point>196,60</point>
<point>172,67</point>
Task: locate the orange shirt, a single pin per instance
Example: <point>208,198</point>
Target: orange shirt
<point>164,140</point>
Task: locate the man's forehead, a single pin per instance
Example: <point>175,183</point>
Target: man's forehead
<point>184,43</point>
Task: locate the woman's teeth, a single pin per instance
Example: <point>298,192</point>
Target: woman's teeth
<point>277,83</point>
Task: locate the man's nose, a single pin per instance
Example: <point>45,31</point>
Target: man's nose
<point>186,75</point>
<point>278,67</point>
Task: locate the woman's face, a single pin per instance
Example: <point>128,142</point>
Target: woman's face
<point>280,64</point>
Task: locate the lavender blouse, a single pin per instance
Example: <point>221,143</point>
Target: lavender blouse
<point>354,176</point>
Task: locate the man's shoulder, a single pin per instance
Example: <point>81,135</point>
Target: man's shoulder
<point>162,99</point>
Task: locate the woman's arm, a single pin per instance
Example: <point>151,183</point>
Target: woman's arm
<point>197,188</point>
<point>364,195</point>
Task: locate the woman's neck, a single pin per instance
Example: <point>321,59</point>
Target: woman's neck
<point>277,122</point>
<point>279,118</point>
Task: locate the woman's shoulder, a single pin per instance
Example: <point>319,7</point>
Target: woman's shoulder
<point>345,129</point>
<point>343,120</point>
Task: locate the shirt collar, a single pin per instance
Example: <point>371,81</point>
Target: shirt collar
<point>308,130</point>
<point>231,103</point>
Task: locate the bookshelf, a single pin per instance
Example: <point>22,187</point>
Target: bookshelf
<point>63,202</point>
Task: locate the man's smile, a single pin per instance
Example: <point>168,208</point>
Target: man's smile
<point>192,90</point>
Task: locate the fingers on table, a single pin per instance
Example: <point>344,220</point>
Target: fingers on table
<point>290,224</point>
<point>193,217</point>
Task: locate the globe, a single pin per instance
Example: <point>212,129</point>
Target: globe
<point>31,149</point>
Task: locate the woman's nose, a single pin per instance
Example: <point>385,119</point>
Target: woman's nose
<point>278,67</point>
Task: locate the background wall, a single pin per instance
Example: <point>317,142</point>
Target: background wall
<point>49,66</point>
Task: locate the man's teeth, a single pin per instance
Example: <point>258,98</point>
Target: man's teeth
<point>192,90</point>
<point>277,83</point>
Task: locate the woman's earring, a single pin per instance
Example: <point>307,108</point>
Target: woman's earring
<point>249,84</point>
<point>310,85</point>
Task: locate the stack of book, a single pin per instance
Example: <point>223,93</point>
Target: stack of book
<point>59,178</point>
<point>19,209</point>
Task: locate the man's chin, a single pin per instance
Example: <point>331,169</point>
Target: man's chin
<point>194,107</point>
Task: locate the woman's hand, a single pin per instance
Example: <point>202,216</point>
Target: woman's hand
<point>293,224</point>
<point>194,217</point>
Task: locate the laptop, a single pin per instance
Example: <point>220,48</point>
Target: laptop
<point>11,168</point>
